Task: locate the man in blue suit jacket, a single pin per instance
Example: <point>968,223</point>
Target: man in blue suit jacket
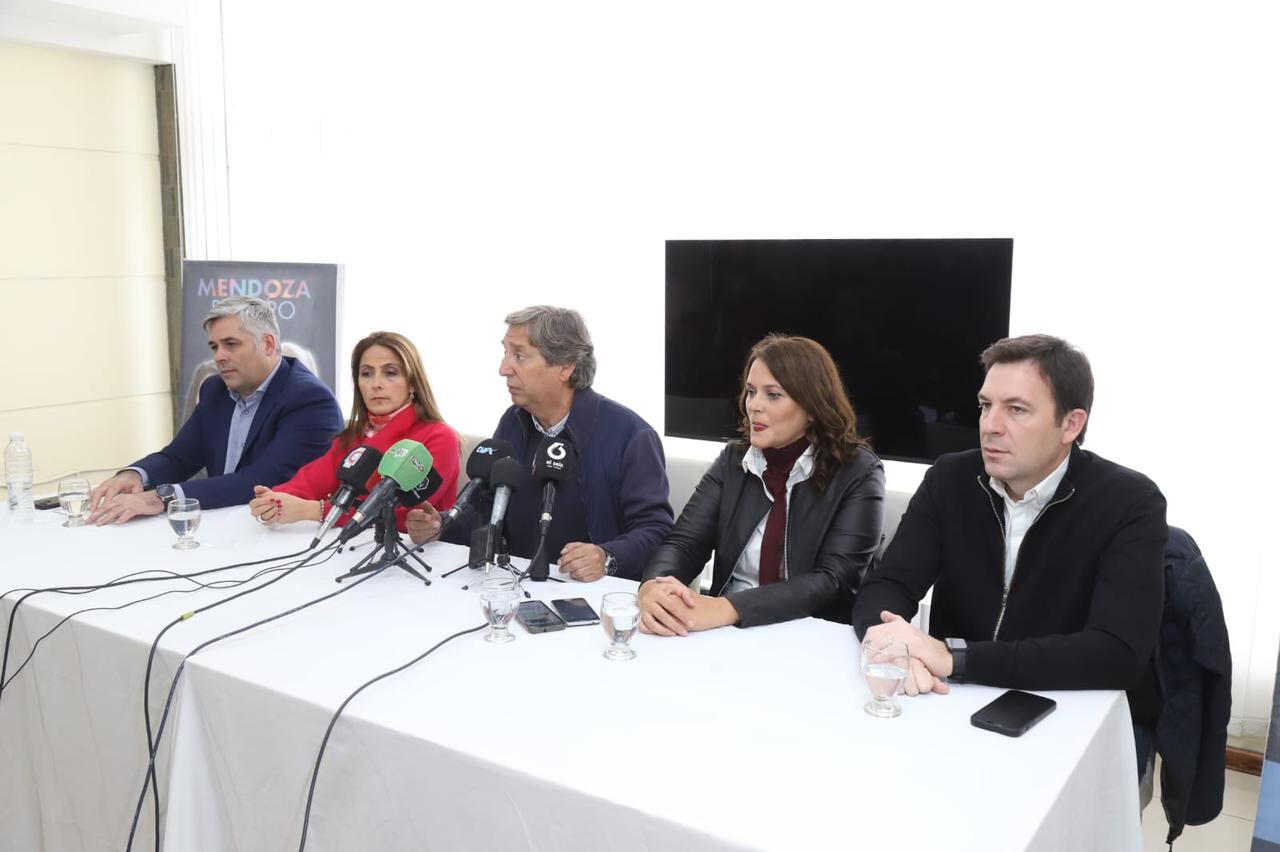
<point>262,418</point>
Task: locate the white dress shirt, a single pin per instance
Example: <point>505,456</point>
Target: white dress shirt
<point>242,418</point>
<point>1021,514</point>
<point>554,430</point>
<point>746,572</point>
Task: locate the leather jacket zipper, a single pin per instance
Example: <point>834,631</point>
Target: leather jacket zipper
<point>1004,598</point>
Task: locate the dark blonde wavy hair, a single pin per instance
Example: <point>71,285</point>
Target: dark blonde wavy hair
<point>424,402</point>
<point>807,373</point>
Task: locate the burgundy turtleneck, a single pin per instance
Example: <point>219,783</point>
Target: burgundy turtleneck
<point>778,464</point>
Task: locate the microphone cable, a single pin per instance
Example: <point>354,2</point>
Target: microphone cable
<point>518,576</point>
<point>216,584</point>
<point>524,575</point>
<point>124,580</point>
<point>32,589</point>
<point>154,745</point>
<point>315,771</point>
<point>153,742</point>
<point>138,576</point>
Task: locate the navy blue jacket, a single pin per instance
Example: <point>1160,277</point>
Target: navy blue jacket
<point>621,499</point>
<point>295,422</point>
<point>1195,669</point>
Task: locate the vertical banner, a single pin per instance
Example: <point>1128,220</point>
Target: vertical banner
<point>306,298</point>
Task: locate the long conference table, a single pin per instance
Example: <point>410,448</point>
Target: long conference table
<point>725,740</point>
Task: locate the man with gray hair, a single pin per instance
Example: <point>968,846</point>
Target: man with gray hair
<point>260,419</point>
<point>611,517</point>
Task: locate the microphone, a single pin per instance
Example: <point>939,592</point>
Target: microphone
<point>505,475</point>
<point>404,468</point>
<point>556,461</point>
<point>354,473</point>
<point>423,492</point>
<point>479,467</point>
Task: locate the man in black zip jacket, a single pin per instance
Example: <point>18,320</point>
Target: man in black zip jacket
<point>1046,561</point>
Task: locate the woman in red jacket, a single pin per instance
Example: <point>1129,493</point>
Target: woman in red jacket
<point>392,401</point>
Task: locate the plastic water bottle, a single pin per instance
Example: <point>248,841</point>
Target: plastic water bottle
<point>18,476</point>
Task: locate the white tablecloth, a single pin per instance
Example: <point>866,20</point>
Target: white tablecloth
<point>731,739</point>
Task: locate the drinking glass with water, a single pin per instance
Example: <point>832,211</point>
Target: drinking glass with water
<point>184,518</point>
<point>73,497</point>
<point>620,616</point>
<point>499,598</point>
<point>885,665</point>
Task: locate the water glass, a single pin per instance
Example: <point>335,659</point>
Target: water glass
<point>620,616</point>
<point>885,665</point>
<point>184,518</point>
<point>499,598</point>
<point>73,496</point>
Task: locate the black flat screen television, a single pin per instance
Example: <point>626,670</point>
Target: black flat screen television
<point>904,319</point>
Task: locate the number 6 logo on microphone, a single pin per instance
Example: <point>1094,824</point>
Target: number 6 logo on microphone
<point>556,451</point>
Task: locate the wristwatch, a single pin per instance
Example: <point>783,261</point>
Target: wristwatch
<point>610,564</point>
<point>167,494</point>
<point>959,656</point>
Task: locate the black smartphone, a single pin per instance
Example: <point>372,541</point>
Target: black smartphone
<point>1014,713</point>
<point>47,502</point>
<point>576,611</point>
<point>537,617</point>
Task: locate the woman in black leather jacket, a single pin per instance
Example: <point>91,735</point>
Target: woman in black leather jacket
<point>793,512</point>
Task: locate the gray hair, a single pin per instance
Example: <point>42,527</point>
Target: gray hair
<point>256,316</point>
<point>561,335</point>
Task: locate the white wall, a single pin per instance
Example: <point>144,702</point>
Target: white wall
<point>466,159</point>
<point>84,364</point>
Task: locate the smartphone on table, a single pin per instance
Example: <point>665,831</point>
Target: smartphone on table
<point>537,617</point>
<point>1014,713</point>
<point>575,611</point>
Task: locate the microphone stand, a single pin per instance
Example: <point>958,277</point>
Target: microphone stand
<point>540,566</point>
<point>501,559</point>
<point>453,571</point>
<point>486,543</point>
<point>488,547</point>
<point>393,551</point>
